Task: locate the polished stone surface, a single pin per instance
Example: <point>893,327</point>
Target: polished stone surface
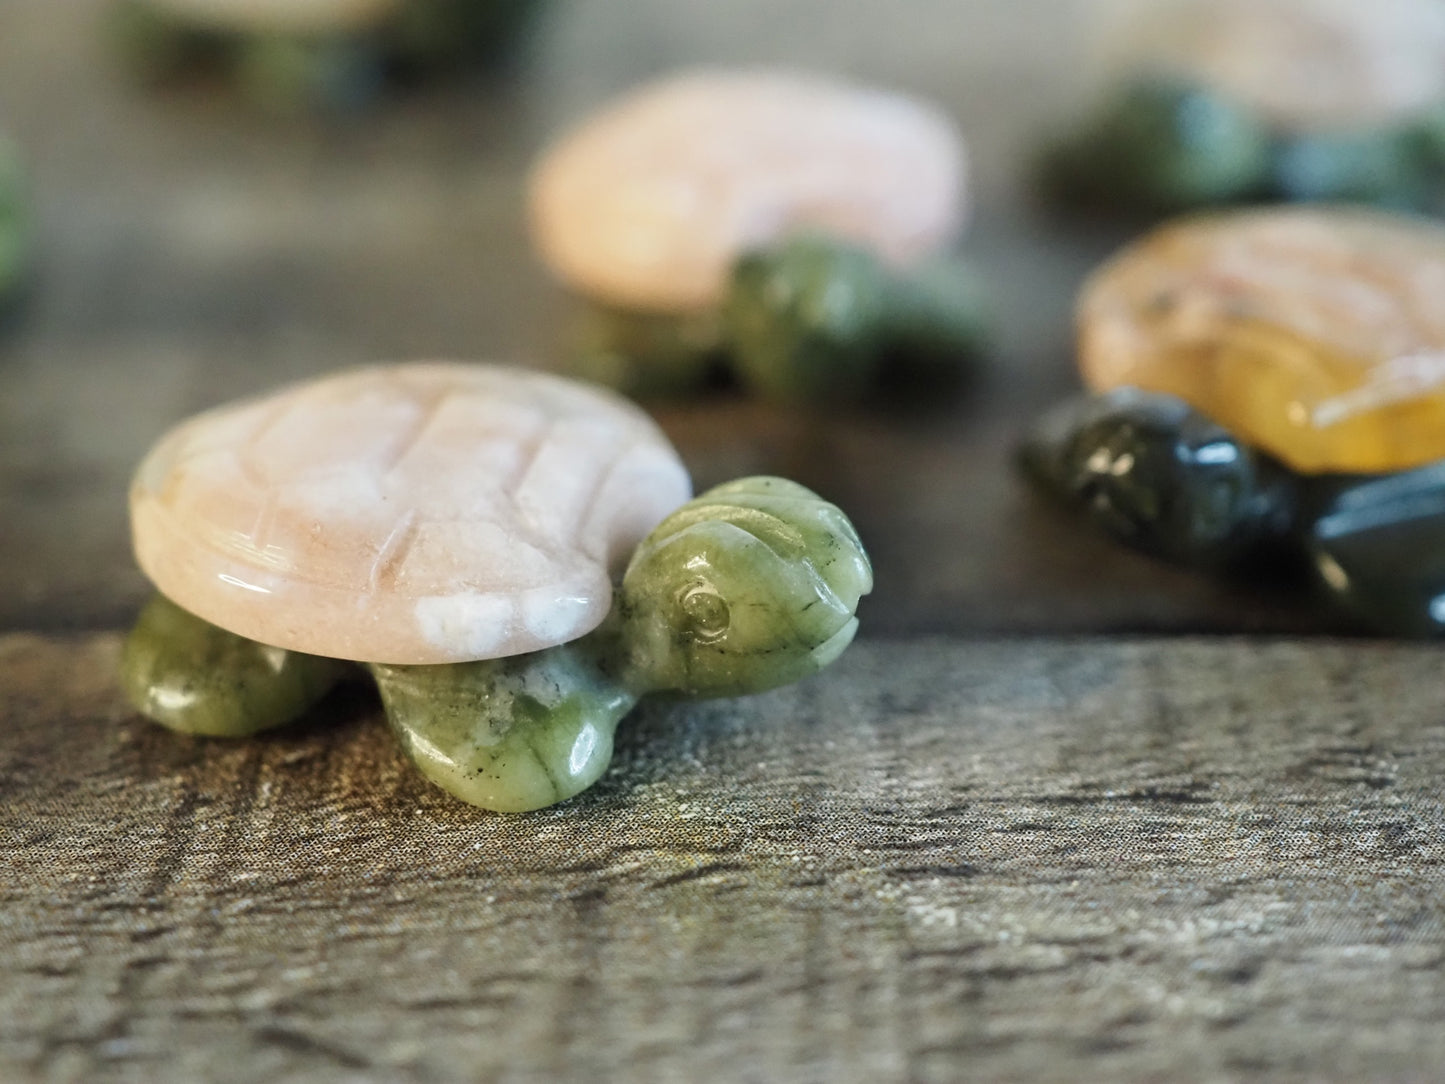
<point>1159,146</point>
<point>413,513</point>
<point>509,735</point>
<point>648,204</point>
<point>193,677</point>
<point>1315,334</point>
<point>815,321</point>
<point>1160,477</point>
<point>753,585</point>
<point>1378,545</point>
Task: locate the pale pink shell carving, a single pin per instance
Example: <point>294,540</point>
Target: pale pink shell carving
<point>647,205</point>
<point>419,513</point>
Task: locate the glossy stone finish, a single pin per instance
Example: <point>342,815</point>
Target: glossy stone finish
<point>816,319</point>
<point>752,585</point>
<point>411,514</point>
<point>1314,333</point>
<point>1162,478</point>
<point>647,205</point>
<point>1378,546</point>
<point>507,734</point>
<point>193,677</point>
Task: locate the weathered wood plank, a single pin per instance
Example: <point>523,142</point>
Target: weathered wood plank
<point>1018,859</point>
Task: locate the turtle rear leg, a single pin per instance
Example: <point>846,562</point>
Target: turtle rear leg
<point>511,734</point>
<point>191,676</point>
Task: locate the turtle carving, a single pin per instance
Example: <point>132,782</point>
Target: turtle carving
<point>1267,393</point>
<point>512,556</point>
<point>789,230</point>
<point>315,53</point>
<point>1226,101</point>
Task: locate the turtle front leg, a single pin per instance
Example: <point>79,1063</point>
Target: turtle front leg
<point>817,319</point>
<point>512,734</point>
<point>191,676</point>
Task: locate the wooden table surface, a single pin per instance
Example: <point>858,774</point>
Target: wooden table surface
<point>1062,812</point>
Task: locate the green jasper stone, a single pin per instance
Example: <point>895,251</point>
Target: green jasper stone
<point>647,355</point>
<point>191,676</point>
<point>806,319</point>
<point>1164,146</point>
<point>1389,168</point>
<point>512,734</point>
<point>816,318</point>
<point>750,586</point>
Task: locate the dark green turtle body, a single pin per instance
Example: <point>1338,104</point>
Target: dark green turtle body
<point>811,319</point>
<point>1164,146</point>
<point>1157,475</point>
<point>1377,545</point>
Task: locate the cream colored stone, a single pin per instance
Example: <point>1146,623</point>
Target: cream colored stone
<point>647,205</point>
<point>1316,333</point>
<point>280,16</point>
<point>1304,64</point>
<point>416,513</point>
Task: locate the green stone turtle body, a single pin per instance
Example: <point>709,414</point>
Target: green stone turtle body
<point>286,54</point>
<point>1225,101</point>
<point>751,585</point>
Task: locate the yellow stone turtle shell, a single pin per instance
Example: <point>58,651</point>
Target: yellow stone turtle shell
<point>1315,333</point>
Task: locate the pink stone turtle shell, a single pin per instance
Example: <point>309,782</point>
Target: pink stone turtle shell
<point>647,205</point>
<point>421,513</point>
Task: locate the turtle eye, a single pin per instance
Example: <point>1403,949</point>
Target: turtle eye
<point>705,613</point>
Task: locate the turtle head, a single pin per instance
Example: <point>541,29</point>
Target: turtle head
<point>752,585</point>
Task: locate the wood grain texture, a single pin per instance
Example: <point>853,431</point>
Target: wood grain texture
<point>942,860</point>
<point>1194,860</point>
